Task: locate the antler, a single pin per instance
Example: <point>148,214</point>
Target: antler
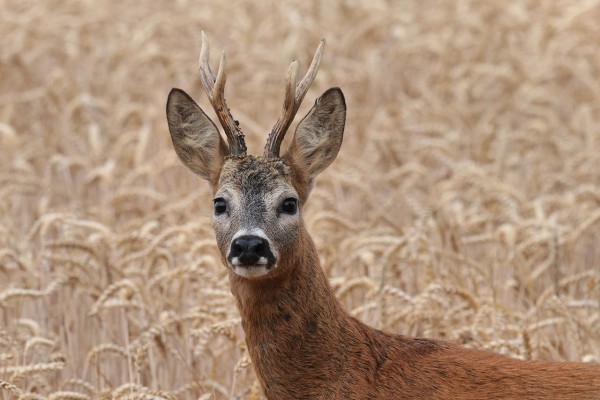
<point>294,94</point>
<point>215,91</point>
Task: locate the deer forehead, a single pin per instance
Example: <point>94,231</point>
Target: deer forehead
<point>251,176</point>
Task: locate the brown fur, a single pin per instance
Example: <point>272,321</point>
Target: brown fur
<point>305,346</point>
<point>302,343</point>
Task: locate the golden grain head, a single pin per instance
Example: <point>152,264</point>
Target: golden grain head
<point>464,204</point>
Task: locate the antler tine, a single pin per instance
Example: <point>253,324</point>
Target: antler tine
<point>215,91</point>
<point>310,74</point>
<point>294,94</point>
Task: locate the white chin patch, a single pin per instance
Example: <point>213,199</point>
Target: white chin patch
<point>253,271</point>
<point>261,268</point>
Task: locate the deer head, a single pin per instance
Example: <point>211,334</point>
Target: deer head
<point>258,200</point>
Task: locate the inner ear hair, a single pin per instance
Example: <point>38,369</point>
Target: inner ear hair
<point>195,137</point>
<point>319,135</point>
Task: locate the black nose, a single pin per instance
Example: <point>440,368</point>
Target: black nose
<point>249,249</point>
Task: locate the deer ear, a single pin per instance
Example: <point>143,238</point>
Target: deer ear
<point>319,135</point>
<point>195,137</point>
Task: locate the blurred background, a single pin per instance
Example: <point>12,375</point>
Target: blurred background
<point>464,204</point>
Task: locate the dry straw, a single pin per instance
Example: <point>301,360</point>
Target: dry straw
<point>464,204</point>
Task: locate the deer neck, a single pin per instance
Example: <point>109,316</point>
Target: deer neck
<point>301,299</point>
<point>291,323</point>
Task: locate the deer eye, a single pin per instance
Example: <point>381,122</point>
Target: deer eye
<point>220,206</point>
<point>289,206</point>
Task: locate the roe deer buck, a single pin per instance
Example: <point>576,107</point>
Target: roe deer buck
<point>302,343</point>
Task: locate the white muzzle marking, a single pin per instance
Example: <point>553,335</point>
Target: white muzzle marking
<point>262,266</point>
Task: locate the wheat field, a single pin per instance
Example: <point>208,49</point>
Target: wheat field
<point>464,204</point>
